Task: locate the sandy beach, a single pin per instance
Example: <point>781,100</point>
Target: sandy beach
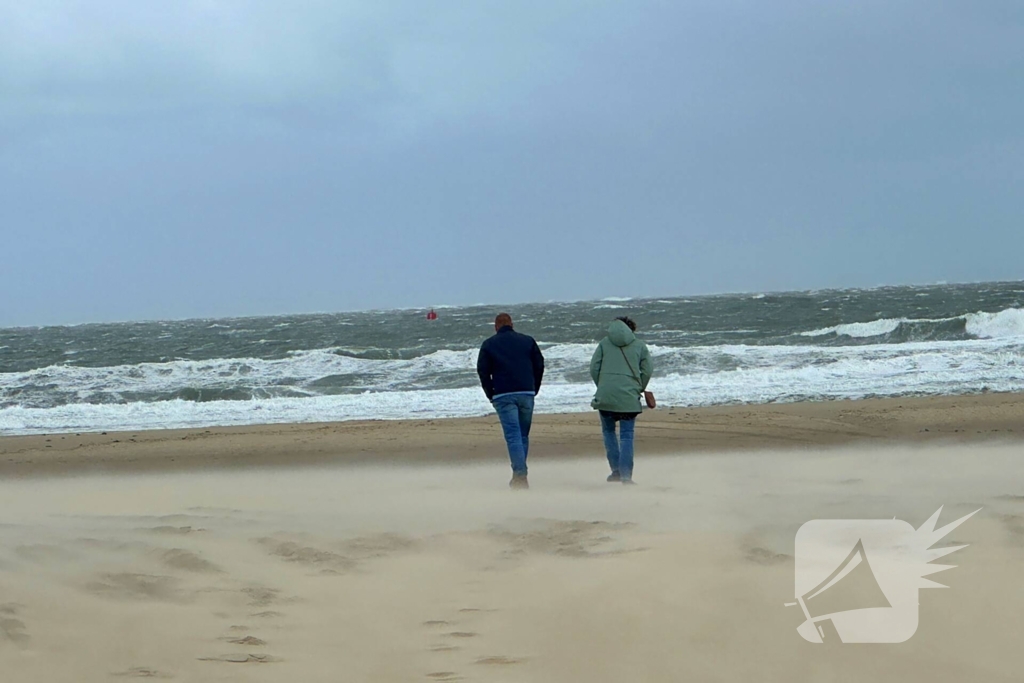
<point>271,272</point>
<point>678,431</point>
<point>394,551</point>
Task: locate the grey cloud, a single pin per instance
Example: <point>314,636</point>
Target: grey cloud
<point>218,158</point>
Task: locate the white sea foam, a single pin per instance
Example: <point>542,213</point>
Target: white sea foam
<point>1008,323</point>
<point>1005,323</point>
<point>683,376</point>
<point>225,373</point>
<point>873,328</point>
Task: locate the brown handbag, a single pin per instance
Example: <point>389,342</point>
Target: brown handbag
<point>648,395</point>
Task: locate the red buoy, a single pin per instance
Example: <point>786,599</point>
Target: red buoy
<point>432,315</point>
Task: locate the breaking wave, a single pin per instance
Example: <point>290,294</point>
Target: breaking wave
<point>1008,323</point>
<point>327,385</point>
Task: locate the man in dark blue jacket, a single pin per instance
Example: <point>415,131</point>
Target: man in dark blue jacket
<point>511,368</point>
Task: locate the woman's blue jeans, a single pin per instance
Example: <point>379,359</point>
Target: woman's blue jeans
<point>619,448</point>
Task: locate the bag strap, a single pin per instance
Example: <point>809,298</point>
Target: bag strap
<point>635,376</point>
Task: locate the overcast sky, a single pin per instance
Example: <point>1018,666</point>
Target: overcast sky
<point>182,158</point>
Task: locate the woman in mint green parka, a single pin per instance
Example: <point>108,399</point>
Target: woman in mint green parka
<point>621,368</point>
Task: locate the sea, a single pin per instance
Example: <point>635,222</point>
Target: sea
<point>394,364</point>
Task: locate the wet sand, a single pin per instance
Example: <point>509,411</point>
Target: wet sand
<point>959,419</point>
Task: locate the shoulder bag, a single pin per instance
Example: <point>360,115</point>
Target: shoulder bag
<point>648,395</point>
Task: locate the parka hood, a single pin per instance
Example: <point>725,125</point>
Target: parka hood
<point>620,334</point>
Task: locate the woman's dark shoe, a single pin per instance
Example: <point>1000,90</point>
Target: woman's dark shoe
<point>519,481</point>
<point>628,481</point>
<point>614,476</point>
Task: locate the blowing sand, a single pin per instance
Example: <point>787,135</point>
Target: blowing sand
<point>440,573</point>
<point>397,552</point>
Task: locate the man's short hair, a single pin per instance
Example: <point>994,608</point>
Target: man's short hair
<point>502,320</point>
<point>629,322</point>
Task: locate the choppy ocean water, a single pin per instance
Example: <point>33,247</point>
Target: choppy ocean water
<point>724,349</point>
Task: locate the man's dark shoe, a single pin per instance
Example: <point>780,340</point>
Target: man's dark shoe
<point>614,476</point>
<point>628,482</point>
<point>519,481</point>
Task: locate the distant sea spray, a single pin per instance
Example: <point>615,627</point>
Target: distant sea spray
<point>741,348</point>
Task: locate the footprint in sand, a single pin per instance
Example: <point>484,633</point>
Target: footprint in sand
<point>464,634</point>
<point>557,537</point>
<point>186,560</point>
<point>490,660</point>
<point>13,630</point>
<point>270,614</point>
<point>247,640</point>
<point>1014,525</point>
<point>172,530</point>
<point>126,586</point>
<point>141,672</point>
<point>448,647</point>
<point>242,658</point>
<point>260,596</point>
<point>763,556</point>
<point>331,558</point>
<point>499,660</point>
<point>326,561</point>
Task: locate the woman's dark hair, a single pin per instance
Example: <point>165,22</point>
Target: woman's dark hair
<point>629,322</point>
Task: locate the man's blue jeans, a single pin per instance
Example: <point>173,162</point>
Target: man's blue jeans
<point>619,449</point>
<point>515,411</point>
